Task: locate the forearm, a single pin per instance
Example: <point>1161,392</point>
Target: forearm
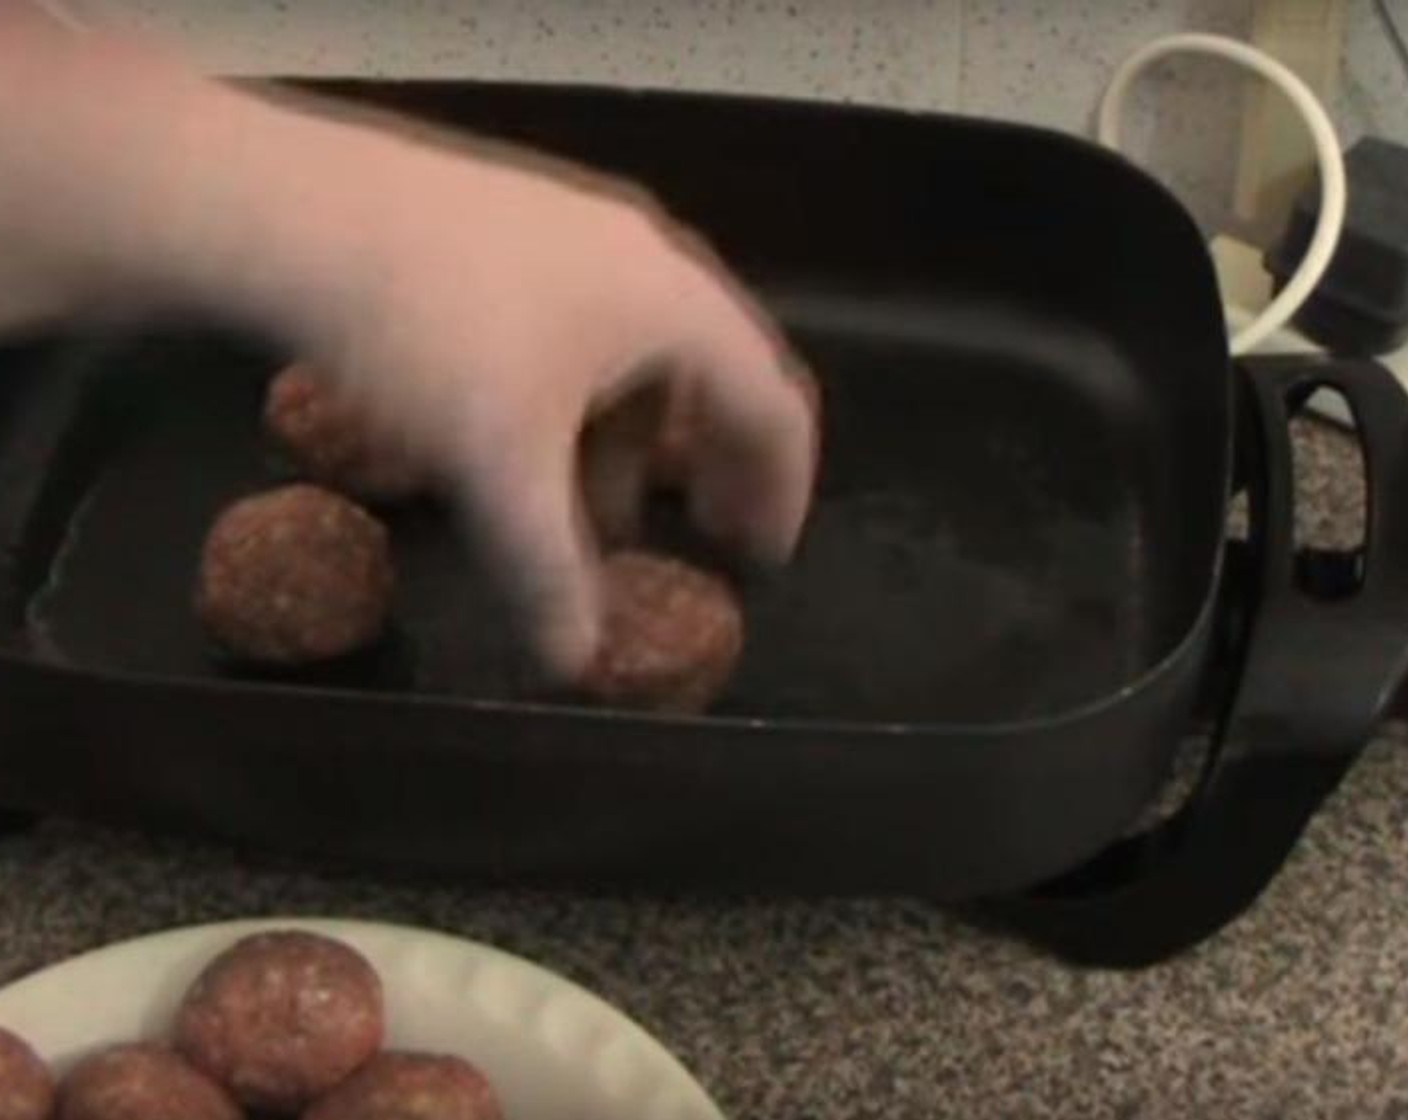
<point>128,182</point>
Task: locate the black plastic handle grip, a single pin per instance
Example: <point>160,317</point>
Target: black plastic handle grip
<point>1317,675</point>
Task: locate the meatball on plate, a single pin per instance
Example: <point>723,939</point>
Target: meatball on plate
<point>488,1031</point>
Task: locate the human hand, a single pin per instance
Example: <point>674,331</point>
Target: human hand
<point>491,309</point>
<point>486,303</point>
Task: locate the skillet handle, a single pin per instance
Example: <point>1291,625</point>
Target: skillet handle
<point>1317,674</point>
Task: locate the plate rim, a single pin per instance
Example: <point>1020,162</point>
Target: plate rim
<point>329,926</point>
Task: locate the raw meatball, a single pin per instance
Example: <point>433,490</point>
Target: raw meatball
<point>295,575</point>
<point>333,440</point>
<point>142,1083</point>
<point>26,1089</point>
<point>280,1018</point>
<point>411,1087</point>
<point>672,635</point>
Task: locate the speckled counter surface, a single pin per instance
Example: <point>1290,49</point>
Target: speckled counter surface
<point>844,1010</point>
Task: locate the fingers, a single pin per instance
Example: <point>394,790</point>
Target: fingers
<point>754,452</point>
<point>753,464</point>
<point>524,501</point>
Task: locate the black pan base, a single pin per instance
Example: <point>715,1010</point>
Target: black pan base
<point>977,552</point>
<point>972,679</point>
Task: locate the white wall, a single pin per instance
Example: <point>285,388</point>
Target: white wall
<point>1374,97</point>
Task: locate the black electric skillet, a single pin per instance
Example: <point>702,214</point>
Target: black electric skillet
<point>1010,608</point>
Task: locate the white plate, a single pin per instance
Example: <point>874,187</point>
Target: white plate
<point>553,1050</point>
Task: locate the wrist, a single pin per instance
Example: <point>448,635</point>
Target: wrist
<point>136,183</point>
<point>276,229</point>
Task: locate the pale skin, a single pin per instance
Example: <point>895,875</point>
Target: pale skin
<point>486,303</point>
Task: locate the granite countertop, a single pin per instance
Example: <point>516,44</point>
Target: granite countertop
<point>852,1009</point>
